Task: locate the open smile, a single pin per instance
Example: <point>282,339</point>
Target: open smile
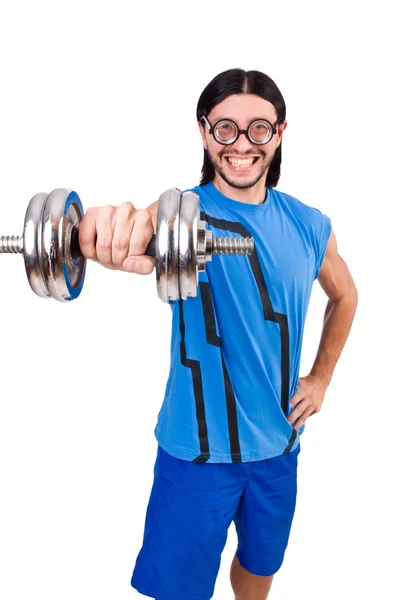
<point>241,164</point>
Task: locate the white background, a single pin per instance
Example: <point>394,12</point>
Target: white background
<point>83,85</point>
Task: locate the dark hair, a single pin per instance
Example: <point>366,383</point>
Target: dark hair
<point>238,81</point>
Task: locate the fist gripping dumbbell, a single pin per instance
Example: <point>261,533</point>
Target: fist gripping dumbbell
<point>55,266</point>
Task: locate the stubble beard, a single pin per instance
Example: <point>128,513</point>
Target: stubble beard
<point>240,184</point>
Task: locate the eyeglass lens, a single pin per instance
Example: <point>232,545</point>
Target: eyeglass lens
<point>258,131</point>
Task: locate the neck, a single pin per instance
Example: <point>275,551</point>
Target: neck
<point>253,195</point>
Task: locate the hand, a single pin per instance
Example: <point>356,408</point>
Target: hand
<point>122,235</point>
<point>307,400</point>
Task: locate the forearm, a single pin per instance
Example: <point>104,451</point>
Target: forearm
<point>338,320</point>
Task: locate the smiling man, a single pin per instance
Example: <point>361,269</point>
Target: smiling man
<point>243,162</point>
<point>235,407</point>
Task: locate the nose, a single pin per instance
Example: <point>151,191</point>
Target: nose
<point>242,144</point>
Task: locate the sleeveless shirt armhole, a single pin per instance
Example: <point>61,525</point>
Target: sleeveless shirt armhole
<point>324,235</point>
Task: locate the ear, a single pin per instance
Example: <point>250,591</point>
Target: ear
<point>281,128</point>
<point>202,132</point>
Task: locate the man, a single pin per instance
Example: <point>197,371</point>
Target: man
<point>234,406</point>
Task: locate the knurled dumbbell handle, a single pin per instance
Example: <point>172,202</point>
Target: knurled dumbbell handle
<point>76,251</point>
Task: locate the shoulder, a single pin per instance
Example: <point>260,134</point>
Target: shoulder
<point>200,190</point>
<point>314,226</point>
<point>306,215</point>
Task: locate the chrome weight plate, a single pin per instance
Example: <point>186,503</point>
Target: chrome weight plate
<point>188,230</point>
<point>32,236</point>
<point>167,244</point>
<point>64,275</point>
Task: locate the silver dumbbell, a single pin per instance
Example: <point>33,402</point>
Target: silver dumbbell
<point>55,266</point>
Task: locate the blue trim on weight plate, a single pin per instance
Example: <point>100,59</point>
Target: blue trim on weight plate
<point>74,292</point>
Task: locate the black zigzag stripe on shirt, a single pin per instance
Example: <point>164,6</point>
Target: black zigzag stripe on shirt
<point>194,365</point>
<point>215,340</point>
<point>268,311</point>
<point>291,441</point>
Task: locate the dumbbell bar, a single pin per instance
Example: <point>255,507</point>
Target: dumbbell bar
<point>55,266</point>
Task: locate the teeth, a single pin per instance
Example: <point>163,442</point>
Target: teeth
<point>239,162</point>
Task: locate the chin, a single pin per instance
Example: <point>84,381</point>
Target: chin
<point>242,184</point>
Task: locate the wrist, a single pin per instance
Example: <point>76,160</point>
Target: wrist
<point>321,378</point>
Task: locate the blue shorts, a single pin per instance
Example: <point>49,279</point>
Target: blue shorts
<point>190,509</point>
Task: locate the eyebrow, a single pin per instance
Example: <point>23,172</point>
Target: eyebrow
<point>251,120</point>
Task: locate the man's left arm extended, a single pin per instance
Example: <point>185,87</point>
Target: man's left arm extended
<point>338,284</point>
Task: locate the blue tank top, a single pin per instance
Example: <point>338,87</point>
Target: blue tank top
<point>236,347</point>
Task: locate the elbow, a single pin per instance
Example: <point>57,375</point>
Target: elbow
<point>350,299</point>
<point>354,297</point>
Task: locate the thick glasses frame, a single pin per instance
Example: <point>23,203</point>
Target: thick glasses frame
<point>211,129</point>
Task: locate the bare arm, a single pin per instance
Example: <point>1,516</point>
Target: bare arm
<point>338,284</point>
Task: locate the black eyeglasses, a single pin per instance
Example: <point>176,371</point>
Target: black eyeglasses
<point>227,132</point>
